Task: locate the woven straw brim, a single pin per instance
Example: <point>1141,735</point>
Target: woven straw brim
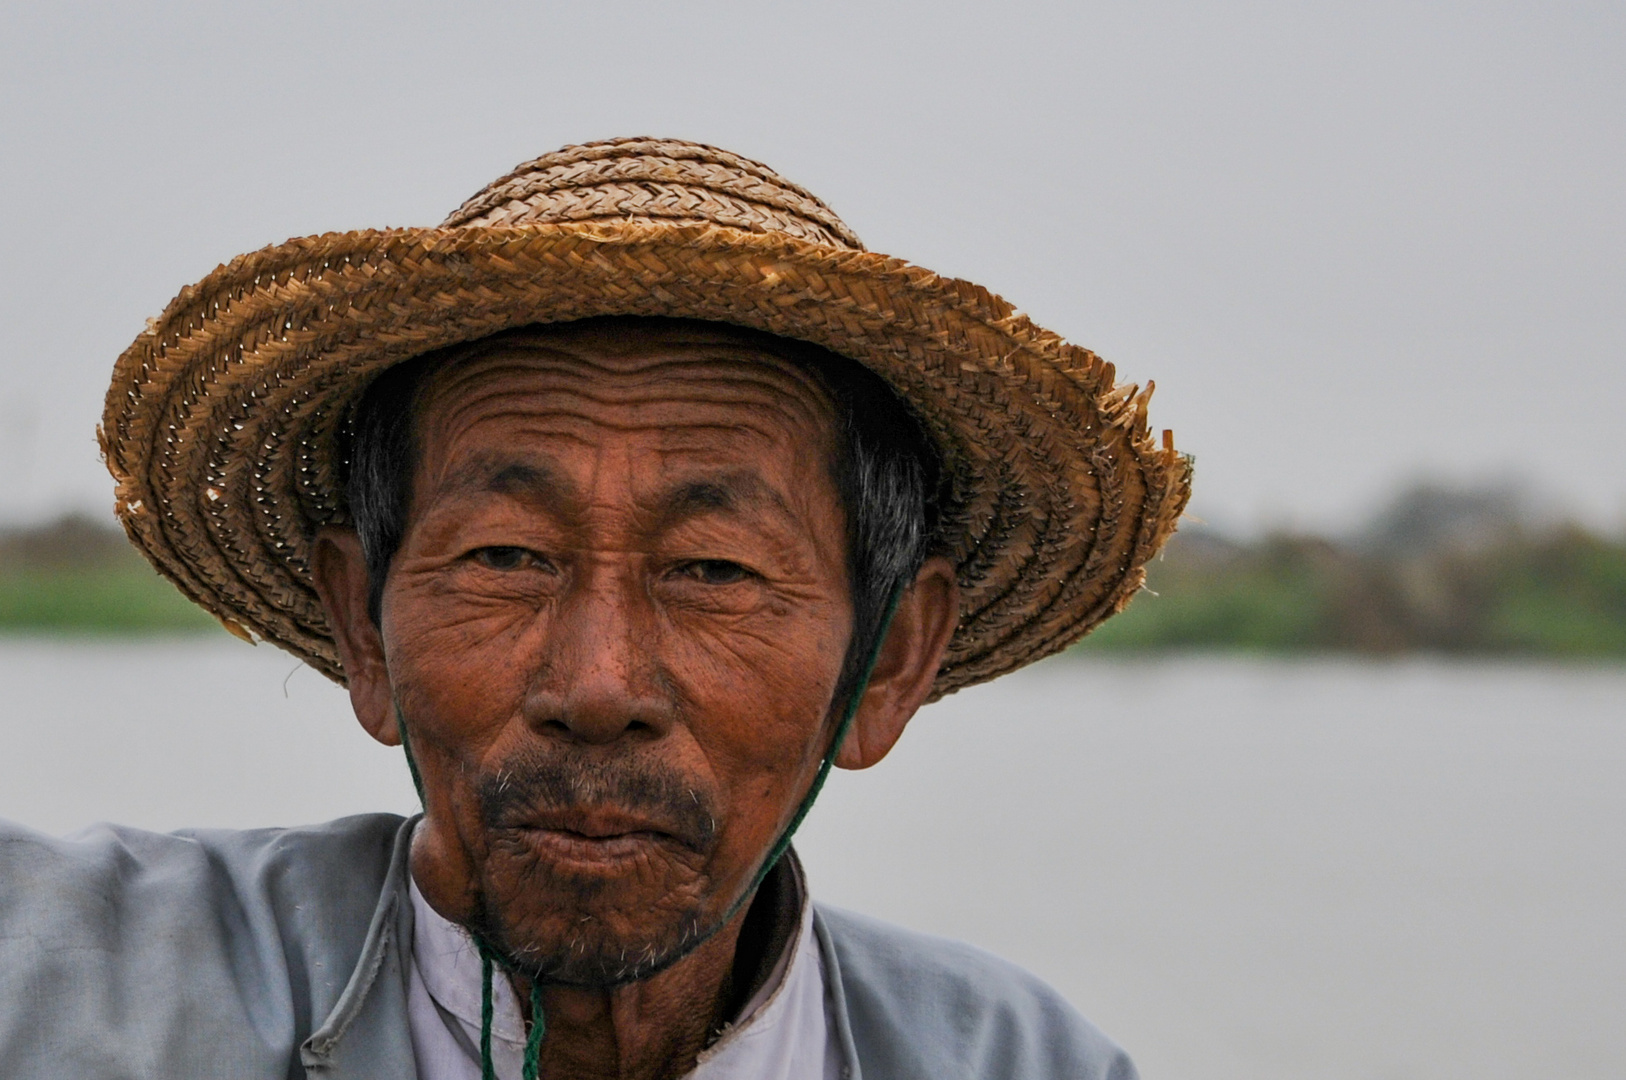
<point>223,423</point>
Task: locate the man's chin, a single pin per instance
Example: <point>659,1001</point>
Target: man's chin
<point>594,915</point>
<point>581,950</point>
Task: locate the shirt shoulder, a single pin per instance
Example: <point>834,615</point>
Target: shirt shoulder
<point>128,952</point>
<point>922,1007</point>
<point>72,885</point>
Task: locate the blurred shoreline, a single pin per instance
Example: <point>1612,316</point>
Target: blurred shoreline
<point>1440,571</point>
<point>79,576</point>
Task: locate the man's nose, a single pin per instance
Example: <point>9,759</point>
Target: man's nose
<point>601,680</point>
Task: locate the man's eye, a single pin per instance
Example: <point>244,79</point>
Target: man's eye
<point>501,558</point>
<point>716,571</point>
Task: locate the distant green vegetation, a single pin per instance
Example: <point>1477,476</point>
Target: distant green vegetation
<point>1442,572</point>
<point>79,577</point>
<point>1445,572</point>
<point>96,601</point>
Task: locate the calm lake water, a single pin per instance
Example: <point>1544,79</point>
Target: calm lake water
<point>1239,869</point>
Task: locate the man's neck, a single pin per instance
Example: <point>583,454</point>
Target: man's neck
<point>652,1029</point>
<point>655,1029</point>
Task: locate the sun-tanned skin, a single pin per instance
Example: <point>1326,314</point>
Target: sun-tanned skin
<point>614,630</point>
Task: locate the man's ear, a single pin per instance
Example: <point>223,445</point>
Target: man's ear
<point>906,666</point>
<point>340,571</point>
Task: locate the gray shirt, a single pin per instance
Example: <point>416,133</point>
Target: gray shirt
<point>279,953</point>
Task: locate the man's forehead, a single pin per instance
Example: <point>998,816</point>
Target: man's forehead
<point>528,413</point>
<point>695,368</point>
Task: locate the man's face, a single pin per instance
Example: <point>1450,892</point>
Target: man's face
<point>613,631</point>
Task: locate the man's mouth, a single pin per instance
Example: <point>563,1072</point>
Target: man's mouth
<point>598,835</point>
<point>567,809</point>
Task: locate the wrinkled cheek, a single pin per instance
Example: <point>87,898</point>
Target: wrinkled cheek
<point>767,693</point>
<point>765,727</point>
<point>454,707</point>
<point>456,690</point>
<point>460,656</point>
<point>771,741</point>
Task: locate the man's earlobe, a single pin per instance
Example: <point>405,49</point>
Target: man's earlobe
<point>340,572</point>
<point>906,666</point>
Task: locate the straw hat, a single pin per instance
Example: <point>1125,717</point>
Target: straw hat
<point>223,423</point>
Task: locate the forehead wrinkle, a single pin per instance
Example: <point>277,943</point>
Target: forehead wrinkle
<point>713,373</point>
<point>683,438</point>
<point>755,370</point>
<point>677,427</point>
<point>562,421</point>
<point>707,392</point>
<point>650,352</point>
<point>535,477</point>
<point>542,357</point>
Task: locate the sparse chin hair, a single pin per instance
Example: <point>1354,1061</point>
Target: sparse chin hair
<point>587,959</point>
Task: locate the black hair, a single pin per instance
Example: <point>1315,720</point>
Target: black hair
<point>887,472</point>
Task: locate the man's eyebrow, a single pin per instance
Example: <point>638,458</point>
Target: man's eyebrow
<point>729,492</point>
<point>527,480</point>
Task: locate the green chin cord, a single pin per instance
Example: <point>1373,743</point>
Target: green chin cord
<point>488,957</point>
<point>849,711</point>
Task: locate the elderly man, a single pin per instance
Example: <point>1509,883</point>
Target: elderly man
<point>627,502</point>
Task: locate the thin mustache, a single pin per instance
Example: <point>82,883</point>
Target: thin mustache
<point>516,791</point>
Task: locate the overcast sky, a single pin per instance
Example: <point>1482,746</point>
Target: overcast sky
<point>1353,243</point>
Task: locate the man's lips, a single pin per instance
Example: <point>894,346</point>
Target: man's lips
<point>595,835</point>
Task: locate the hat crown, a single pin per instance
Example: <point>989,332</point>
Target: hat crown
<point>653,181</point>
